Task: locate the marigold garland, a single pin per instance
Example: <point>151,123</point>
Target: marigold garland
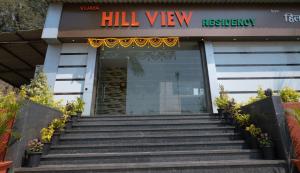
<point>140,42</point>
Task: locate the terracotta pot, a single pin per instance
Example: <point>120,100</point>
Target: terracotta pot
<point>4,166</point>
<point>294,128</point>
<point>291,105</point>
<point>4,139</point>
<point>297,163</point>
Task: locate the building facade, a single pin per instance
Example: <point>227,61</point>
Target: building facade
<point>168,58</point>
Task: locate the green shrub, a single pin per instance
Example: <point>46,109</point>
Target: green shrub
<point>46,134</point>
<point>79,105</point>
<point>223,99</point>
<point>260,95</point>
<point>242,119</point>
<point>254,131</point>
<point>288,94</point>
<point>38,91</point>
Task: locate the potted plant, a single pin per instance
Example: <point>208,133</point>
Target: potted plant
<point>79,106</point>
<point>293,121</point>
<point>34,152</point>
<point>230,111</point>
<point>71,110</point>
<point>58,126</point>
<point>68,121</point>
<point>266,145</point>
<point>46,136</point>
<point>243,120</point>
<point>254,132</point>
<point>9,106</point>
<point>221,101</point>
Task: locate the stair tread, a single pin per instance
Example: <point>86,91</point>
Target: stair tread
<point>179,122</point>
<point>154,115</point>
<point>217,163</point>
<point>148,136</point>
<point>152,153</point>
<point>146,118</point>
<point>149,144</point>
<point>141,130</point>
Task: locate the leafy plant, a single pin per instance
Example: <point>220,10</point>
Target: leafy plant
<point>223,99</point>
<point>79,105</point>
<point>243,119</point>
<point>288,94</point>
<point>70,108</point>
<point>35,146</point>
<point>254,131</point>
<point>57,124</point>
<point>265,140</point>
<point>38,91</point>
<point>10,104</point>
<point>46,134</point>
<point>260,95</point>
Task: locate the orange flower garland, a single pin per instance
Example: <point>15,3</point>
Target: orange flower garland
<point>140,42</point>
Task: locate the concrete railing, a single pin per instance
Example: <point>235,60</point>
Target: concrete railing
<point>31,118</point>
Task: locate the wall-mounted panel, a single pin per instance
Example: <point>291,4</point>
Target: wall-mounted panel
<point>242,67</point>
<point>73,60</point>
<point>68,86</point>
<point>66,98</point>
<point>71,73</point>
<point>74,48</point>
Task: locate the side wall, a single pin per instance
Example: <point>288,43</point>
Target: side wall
<point>241,67</point>
<point>74,75</point>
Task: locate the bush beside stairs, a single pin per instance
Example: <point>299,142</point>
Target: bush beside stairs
<point>198,143</point>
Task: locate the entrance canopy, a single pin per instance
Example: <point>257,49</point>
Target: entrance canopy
<point>20,53</point>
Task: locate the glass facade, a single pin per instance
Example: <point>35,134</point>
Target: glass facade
<point>151,81</point>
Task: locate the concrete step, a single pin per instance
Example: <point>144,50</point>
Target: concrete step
<point>84,139</point>
<point>150,133</point>
<point>148,116</point>
<point>147,147</point>
<point>135,118</point>
<point>149,126</point>
<point>140,157</point>
<point>220,166</point>
<point>147,122</point>
<point>163,129</point>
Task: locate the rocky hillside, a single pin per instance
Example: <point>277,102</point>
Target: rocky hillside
<point>22,14</point>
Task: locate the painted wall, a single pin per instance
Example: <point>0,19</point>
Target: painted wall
<point>72,75</point>
<point>244,66</point>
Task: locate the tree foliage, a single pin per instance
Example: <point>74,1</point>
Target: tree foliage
<point>22,14</point>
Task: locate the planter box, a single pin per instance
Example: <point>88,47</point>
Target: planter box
<point>4,166</point>
<point>4,139</point>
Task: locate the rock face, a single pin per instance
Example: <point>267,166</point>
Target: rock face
<point>22,14</point>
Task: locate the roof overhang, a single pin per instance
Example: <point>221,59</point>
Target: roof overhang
<point>176,1</point>
<point>20,53</point>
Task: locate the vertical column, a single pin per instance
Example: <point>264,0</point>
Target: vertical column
<point>212,73</point>
<point>50,31</point>
<point>89,81</point>
<point>51,63</point>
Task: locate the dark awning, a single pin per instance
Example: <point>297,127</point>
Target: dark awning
<point>176,1</point>
<point>20,52</point>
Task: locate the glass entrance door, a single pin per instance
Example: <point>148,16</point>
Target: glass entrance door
<point>148,81</point>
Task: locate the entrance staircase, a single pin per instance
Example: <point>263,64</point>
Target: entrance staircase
<point>153,144</point>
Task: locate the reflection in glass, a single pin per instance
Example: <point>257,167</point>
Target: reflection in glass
<point>151,81</point>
